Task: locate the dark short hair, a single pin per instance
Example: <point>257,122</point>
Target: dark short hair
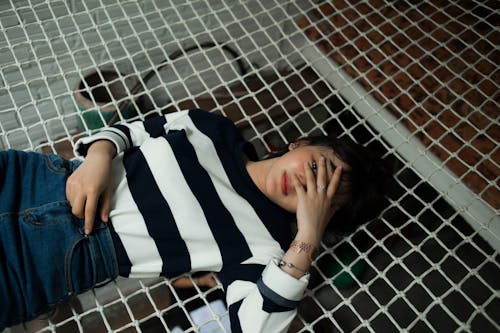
<point>366,181</point>
<point>369,178</point>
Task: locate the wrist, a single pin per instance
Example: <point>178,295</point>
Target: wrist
<point>310,250</point>
<point>102,147</point>
<point>308,237</point>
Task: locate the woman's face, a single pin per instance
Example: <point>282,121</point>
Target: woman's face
<point>278,184</point>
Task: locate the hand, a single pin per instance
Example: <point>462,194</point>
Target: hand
<point>206,280</point>
<point>315,201</point>
<point>91,184</point>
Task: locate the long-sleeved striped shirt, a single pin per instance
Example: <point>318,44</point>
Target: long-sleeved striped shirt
<point>184,202</point>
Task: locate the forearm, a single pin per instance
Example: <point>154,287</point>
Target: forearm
<point>297,260</point>
<point>105,147</point>
<point>314,210</point>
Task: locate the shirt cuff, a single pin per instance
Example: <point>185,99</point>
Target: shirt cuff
<point>282,284</point>
<point>118,139</point>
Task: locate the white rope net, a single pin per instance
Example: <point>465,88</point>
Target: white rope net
<point>417,82</point>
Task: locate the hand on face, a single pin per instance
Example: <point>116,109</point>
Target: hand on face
<point>315,199</point>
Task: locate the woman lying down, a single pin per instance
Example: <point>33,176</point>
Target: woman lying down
<point>175,194</point>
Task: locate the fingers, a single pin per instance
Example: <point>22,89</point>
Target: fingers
<point>85,207</point>
<point>89,188</point>
<point>334,181</point>
<point>297,185</point>
<point>77,205</point>
<point>211,281</point>
<point>318,181</point>
<point>321,175</point>
<point>82,207</point>
<point>310,177</point>
<point>207,280</point>
<point>324,181</point>
<point>90,209</point>
<point>106,204</point>
<point>329,169</point>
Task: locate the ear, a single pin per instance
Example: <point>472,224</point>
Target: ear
<point>298,143</point>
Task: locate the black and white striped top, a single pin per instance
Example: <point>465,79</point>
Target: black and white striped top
<point>184,202</point>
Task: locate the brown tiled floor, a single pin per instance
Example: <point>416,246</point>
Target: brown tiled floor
<point>434,65</point>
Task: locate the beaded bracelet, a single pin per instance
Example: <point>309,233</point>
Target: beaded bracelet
<point>290,265</point>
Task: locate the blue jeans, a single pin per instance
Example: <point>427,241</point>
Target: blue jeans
<point>45,257</point>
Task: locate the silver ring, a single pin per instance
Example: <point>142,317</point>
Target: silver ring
<point>321,186</point>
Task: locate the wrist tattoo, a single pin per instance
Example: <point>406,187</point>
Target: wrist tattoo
<point>300,246</point>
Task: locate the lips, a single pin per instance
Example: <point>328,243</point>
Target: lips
<point>284,184</point>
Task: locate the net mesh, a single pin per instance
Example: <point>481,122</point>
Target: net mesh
<point>417,82</point>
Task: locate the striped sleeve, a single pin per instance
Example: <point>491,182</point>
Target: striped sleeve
<point>267,305</point>
<point>128,135</point>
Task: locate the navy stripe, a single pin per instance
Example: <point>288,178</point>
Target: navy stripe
<point>124,263</point>
<point>155,126</point>
<point>233,317</point>
<point>274,302</point>
<point>126,131</point>
<point>157,214</point>
<point>246,272</point>
<point>233,246</point>
<point>275,219</point>
<point>229,150</point>
<point>83,148</point>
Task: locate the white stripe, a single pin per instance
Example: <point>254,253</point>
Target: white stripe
<point>238,290</point>
<point>187,212</point>
<point>131,228</point>
<point>261,243</point>
<point>137,132</point>
<point>250,314</point>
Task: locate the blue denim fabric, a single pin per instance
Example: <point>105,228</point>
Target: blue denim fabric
<point>45,258</point>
